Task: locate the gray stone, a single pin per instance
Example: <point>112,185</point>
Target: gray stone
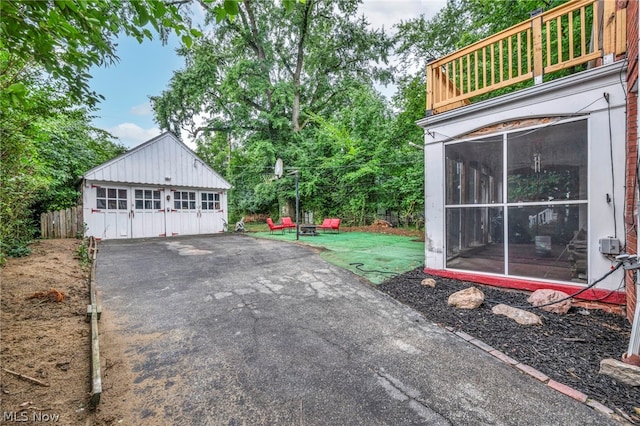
<point>625,373</point>
<point>518,315</point>
<point>545,296</point>
<point>469,298</point>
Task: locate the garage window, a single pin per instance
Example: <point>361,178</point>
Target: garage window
<point>111,198</point>
<point>210,201</point>
<point>147,199</point>
<point>184,200</point>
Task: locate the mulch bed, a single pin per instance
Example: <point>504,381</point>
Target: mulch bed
<point>568,348</point>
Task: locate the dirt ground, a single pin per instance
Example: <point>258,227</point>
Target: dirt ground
<point>49,340</point>
<point>43,338</point>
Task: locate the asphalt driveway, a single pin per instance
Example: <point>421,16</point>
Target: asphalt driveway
<point>236,330</point>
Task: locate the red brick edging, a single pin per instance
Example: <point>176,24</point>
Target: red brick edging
<point>538,375</point>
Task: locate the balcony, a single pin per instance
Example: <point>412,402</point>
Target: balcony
<point>578,35</point>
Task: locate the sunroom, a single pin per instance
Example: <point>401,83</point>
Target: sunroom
<point>526,190</point>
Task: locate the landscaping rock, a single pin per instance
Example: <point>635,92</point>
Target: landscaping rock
<point>469,298</point>
<point>544,296</point>
<point>429,282</point>
<point>625,373</point>
<point>632,359</point>
<point>518,315</point>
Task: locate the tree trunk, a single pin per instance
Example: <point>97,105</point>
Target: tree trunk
<point>295,115</point>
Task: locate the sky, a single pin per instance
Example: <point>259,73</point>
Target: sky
<point>145,70</point>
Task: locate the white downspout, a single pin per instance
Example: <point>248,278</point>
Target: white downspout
<point>634,341</point>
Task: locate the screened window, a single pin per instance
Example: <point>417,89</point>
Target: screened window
<point>548,164</point>
<point>111,198</point>
<point>210,201</point>
<point>516,204</point>
<point>147,199</point>
<point>184,200</point>
<point>474,171</point>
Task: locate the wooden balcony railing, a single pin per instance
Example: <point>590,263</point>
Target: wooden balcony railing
<point>569,35</point>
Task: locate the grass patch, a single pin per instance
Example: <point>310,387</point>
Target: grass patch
<point>376,257</point>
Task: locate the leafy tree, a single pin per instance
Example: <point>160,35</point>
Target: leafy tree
<point>45,145</point>
<point>67,38</point>
<point>46,50</point>
<point>255,77</point>
<point>353,155</point>
<point>258,72</point>
<point>407,183</point>
<point>20,180</point>
<point>67,146</point>
<point>420,40</point>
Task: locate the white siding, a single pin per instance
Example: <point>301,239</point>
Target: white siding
<point>434,206</point>
<point>162,164</point>
<point>573,96</point>
<point>161,161</point>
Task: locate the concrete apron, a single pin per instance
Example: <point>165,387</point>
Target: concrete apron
<point>233,330</point>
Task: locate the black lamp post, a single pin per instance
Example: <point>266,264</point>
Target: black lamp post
<point>296,173</point>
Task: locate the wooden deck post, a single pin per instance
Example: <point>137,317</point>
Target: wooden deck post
<point>609,32</point>
<point>429,106</point>
<point>536,29</point>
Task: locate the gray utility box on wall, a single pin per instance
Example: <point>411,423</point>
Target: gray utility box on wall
<point>609,245</point>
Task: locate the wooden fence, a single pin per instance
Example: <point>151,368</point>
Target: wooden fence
<point>62,223</point>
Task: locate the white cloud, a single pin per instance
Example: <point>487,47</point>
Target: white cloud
<point>142,109</point>
<point>386,13</point>
<point>131,134</point>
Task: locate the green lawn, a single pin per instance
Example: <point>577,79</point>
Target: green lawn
<point>374,256</point>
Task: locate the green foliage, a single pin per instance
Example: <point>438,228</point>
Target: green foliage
<point>66,38</point>
<point>420,40</point>
<point>45,145</point>
<point>67,147</point>
<point>255,75</point>
<point>361,163</point>
<point>20,177</point>
<point>541,186</point>
<point>82,254</point>
<point>260,79</point>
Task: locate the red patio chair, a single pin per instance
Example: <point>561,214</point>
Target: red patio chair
<point>287,223</point>
<point>273,227</point>
<point>332,224</point>
<point>326,224</point>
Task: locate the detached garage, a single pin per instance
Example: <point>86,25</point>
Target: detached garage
<point>158,189</point>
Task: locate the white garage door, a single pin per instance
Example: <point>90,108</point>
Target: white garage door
<point>183,217</point>
<point>210,213</point>
<point>147,215</point>
<point>139,212</point>
<point>110,216</point>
